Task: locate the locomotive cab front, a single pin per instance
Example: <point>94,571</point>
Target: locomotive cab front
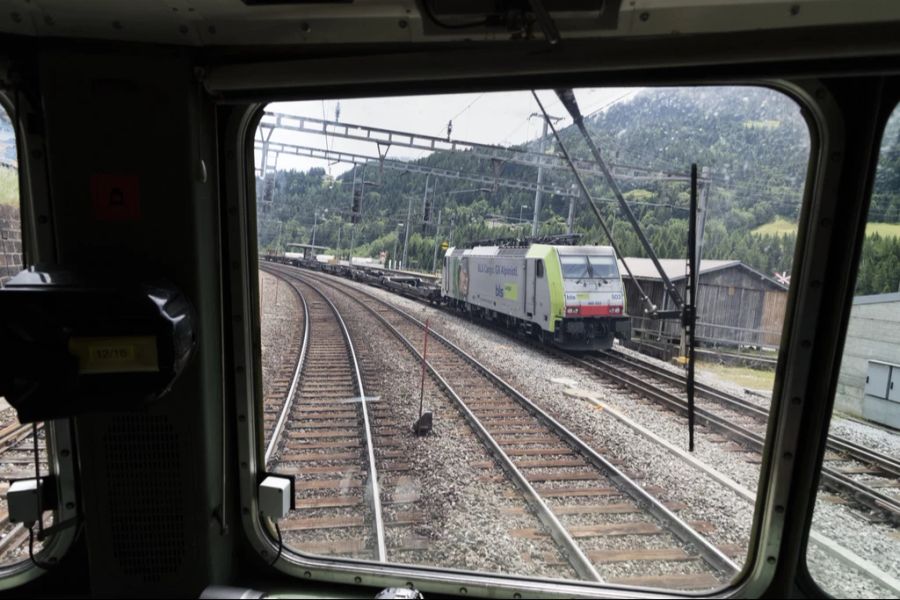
<point>594,299</point>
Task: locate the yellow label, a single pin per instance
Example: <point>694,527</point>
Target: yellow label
<point>510,291</point>
<point>127,354</point>
<point>583,296</point>
<point>112,354</point>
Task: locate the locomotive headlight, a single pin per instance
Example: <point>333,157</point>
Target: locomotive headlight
<point>615,310</point>
<point>573,310</point>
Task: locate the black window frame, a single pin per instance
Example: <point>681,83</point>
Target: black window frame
<point>38,246</point>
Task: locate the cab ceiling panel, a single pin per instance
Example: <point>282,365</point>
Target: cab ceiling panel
<point>301,22</point>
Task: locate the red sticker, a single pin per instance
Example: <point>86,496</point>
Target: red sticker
<point>116,197</point>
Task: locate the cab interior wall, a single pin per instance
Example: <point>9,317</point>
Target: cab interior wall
<point>144,110</point>
<point>141,114</point>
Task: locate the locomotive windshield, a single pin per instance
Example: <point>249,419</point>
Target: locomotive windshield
<point>603,267</point>
<point>589,267</point>
<point>574,267</point>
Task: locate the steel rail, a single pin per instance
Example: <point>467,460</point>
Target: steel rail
<point>15,435</point>
<point>887,463</point>
<point>374,490</point>
<point>289,398</point>
<point>835,479</point>
<point>754,441</point>
<point>678,381</point>
<point>558,532</point>
<point>824,543</point>
<point>681,529</point>
<point>17,534</point>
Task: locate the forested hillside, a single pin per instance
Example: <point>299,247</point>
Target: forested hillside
<point>753,143</point>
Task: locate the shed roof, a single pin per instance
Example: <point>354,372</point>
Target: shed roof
<point>676,268</point>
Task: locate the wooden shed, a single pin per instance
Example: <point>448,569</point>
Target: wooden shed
<point>736,305</point>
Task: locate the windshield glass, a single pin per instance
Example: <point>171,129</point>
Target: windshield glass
<point>448,502</point>
<point>603,267</point>
<point>574,267</point>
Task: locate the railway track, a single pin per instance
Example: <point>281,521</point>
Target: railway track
<point>845,462</point>
<point>744,423</point>
<point>326,440</point>
<point>279,386</point>
<point>581,499</point>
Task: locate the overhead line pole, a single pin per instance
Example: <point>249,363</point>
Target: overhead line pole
<point>570,221</point>
<point>352,224</point>
<point>409,216</point>
<point>540,174</point>
<point>437,240</point>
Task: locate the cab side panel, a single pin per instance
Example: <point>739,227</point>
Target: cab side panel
<point>549,294</point>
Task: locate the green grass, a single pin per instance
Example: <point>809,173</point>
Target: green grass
<point>884,229</point>
<point>755,379</point>
<point>781,226</point>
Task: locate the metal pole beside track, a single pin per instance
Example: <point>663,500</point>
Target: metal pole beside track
<point>690,308</point>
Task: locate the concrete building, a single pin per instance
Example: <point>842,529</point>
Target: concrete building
<point>871,361</point>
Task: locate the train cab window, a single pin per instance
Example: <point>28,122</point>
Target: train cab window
<point>457,425</point>
<point>26,449</point>
<point>855,538</point>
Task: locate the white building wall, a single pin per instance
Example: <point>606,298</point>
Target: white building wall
<point>872,334</point>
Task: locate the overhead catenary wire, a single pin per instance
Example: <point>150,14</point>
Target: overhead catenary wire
<point>592,112</point>
<point>462,112</point>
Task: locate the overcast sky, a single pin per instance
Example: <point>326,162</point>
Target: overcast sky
<point>492,118</point>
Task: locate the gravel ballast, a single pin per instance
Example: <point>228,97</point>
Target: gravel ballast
<point>463,520</point>
<point>531,371</point>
